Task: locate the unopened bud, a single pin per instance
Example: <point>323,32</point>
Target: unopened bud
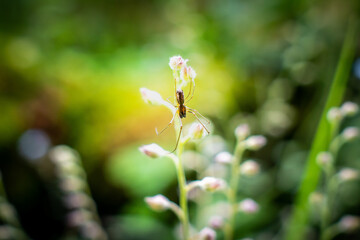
<point>316,198</point>
<point>187,73</point>
<point>223,157</point>
<point>212,184</point>
<point>255,142</point>
<point>348,174</point>
<point>151,97</point>
<point>177,62</point>
<point>334,115</point>
<point>349,109</point>
<point>197,131</point>
<point>249,168</point>
<point>350,133</point>
<point>216,222</point>
<point>153,150</point>
<point>248,206</point>
<point>158,202</point>
<point>242,132</point>
<point>207,234</point>
<point>349,223</point>
<point>324,159</point>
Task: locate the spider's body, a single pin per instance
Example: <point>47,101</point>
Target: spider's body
<point>181,110</point>
<point>180,100</point>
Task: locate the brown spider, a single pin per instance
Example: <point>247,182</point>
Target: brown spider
<point>182,109</point>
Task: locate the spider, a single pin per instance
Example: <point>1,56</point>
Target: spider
<point>182,109</point>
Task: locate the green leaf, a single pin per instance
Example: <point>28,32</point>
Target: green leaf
<point>299,218</point>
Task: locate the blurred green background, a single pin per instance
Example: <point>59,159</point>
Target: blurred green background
<point>70,73</point>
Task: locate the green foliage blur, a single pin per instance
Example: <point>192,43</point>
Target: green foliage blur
<point>71,71</point>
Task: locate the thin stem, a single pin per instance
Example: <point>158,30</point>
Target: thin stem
<point>182,181</point>
<point>232,194</point>
<point>183,192</point>
<point>329,185</point>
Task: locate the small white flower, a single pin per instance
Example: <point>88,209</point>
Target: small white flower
<point>324,159</point>
<point>216,222</point>
<point>207,234</point>
<point>177,62</point>
<point>212,184</point>
<point>316,198</point>
<point>197,131</point>
<point>242,132</point>
<point>249,168</point>
<point>348,174</point>
<point>151,97</point>
<point>334,115</point>
<point>350,133</point>
<point>349,109</point>
<point>248,206</point>
<point>153,150</point>
<point>224,158</point>
<point>255,142</point>
<point>158,202</point>
<point>349,223</point>
<point>187,73</point>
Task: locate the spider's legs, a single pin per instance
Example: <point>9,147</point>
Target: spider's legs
<point>178,139</point>
<point>199,121</point>
<point>192,93</point>
<point>158,133</point>
<point>196,111</point>
<point>170,102</point>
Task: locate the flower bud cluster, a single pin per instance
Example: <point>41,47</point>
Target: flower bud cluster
<point>82,213</point>
<point>254,143</point>
<point>347,109</point>
<point>183,74</point>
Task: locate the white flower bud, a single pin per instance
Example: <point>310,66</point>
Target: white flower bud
<point>177,62</point>
<point>224,158</point>
<point>248,206</point>
<point>255,142</point>
<point>348,174</point>
<point>187,73</point>
<point>197,131</point>
<point>242,132</point>
<point>158,202</point>
<point>324,159</point>
<point>350,133</point>
<point>216,222</point>
<point>207,234</point>
<point>349,109</point>
<point>249,168</point>
<point>334,115</point>
<point>151,97</point>
<point>153,150</point>
<point>212,184</point>
<point>349,223</point>
<point>316,198</point>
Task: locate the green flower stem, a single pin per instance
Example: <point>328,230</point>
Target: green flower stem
<point>183,192</point>
<point>232,193</point>
<point>181,181</point>
<point>330,185</point>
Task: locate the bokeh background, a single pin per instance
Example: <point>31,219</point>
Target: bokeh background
<point>70,73</point>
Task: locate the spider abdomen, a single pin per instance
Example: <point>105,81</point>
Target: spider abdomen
<point>182,111</point>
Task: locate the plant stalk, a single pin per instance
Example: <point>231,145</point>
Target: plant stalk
<point>232,194</point>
